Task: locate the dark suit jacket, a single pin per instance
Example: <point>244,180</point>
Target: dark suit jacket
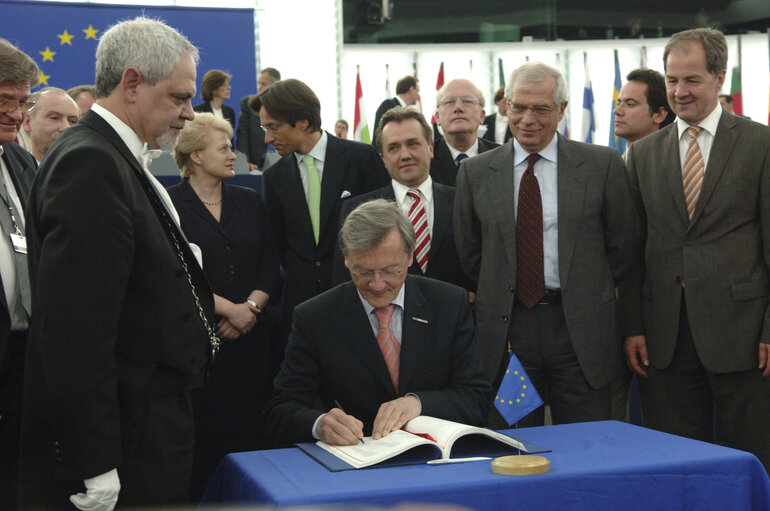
<point>240,253</point>
<point>350,168</point>
<point>227,112</point>
<point>722,255</point>
<point>384,107</point>
<point>489,122</point>
<point>251,137</point>
<point>333,355</point>
<point>442,167</point>
<point>598,238</point>
<point>115,318</point>
<point>22,168</point>
<point>443,263</point>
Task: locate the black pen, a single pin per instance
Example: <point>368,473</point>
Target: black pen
<point>338,405</point>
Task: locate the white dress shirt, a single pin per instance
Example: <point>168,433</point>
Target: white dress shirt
<point>705,137</point>
<point>319,154</point>
<point>547,178</point>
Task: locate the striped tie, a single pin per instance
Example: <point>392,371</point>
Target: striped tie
<point>389,346</point>
<point>692,175</point>
<point>420,223</point>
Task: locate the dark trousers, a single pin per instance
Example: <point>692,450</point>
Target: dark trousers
<point>158,439</point>
<point>11,392</point>
<point>540,340</point>
<point>683,398</point>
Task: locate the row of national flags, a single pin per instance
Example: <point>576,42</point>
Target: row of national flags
<point>588,126</point>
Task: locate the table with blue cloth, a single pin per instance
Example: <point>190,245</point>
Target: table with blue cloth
<point>594,466</point>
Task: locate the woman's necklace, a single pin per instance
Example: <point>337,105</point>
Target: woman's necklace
<point>212,203</point>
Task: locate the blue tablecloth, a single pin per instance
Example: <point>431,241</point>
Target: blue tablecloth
<point>594,466</point>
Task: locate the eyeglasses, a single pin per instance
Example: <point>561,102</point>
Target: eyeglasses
<point>385,273</point>
<point>10,105</point>
<point>465,100</point>
<point>537,110</point>
<point>272,128</point>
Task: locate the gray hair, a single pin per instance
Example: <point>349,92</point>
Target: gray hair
<point>713,42</point>
<point>77,90</point>
<point>370,223</point>
<point>36,97</point>
<point>16,66</point>
<point>149,45</point>
<point>537,72</point>
<point>442,91</point>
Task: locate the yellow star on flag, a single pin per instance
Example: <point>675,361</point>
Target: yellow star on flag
<point>65,38</point>
<point>44,78</point>
<point>90,32</point>
<point>47,54</point>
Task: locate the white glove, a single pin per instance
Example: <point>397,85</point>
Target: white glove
<point>101,493</point>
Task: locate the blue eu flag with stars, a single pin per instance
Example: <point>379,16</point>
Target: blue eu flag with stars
<point>516,397</point>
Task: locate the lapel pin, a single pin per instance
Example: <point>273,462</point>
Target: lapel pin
<point>420,320</point>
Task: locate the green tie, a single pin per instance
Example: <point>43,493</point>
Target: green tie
<point>313,194</point>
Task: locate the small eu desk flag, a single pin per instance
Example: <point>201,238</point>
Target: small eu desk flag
<point>516,397</point>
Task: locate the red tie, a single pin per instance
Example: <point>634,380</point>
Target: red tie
<point>419,219</point>
<point>530,279</point>
<point>389,346</point>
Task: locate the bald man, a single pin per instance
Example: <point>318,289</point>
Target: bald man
<point>459,112</point>
<point>54,112</point>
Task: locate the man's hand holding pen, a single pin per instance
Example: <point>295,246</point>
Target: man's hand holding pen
<point>336,427</point>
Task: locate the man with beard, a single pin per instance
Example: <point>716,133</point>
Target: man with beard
<point>123,331</point>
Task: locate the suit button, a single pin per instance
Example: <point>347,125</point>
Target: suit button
<point>318,263</point>
<point>505,319</point>
<point>57,444</point>
<point>511,289</point>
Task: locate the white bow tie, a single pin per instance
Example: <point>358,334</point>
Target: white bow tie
<point>147,155</point>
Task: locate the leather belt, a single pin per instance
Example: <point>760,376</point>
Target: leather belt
<point>550,297</point>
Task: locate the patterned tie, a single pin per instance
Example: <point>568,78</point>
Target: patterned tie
<point>313,194</point>
<point>692,175</point>
<point>530,279</point>
<point>419,219</point>
<point>460,158</point>
<point>389,346</point>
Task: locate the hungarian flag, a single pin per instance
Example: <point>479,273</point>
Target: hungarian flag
<point>439,84</point>
<point>735,91</point>
<point>360,126</point>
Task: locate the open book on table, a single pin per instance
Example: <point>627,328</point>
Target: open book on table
<point>422,439</point>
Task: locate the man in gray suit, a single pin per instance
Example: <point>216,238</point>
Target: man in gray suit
<point>543,224</point>
<point>696,305</point>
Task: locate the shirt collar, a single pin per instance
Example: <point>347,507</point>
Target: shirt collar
<point>473,150</point>
<point>318,152</point>
<point>126,134</point>
<point>398,300</point>
<point>709,123</point>
<point>549,152</point>
<point>426,189</point>
<point>400,101</point>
